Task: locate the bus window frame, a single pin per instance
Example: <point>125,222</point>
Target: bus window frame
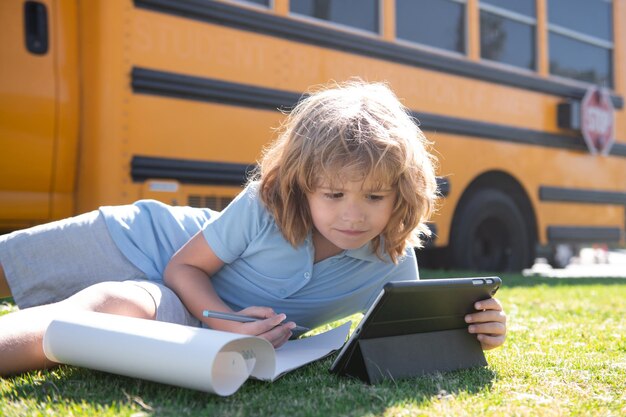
<point>519,18</point>
<point>430,49</point>
<point>587,39</point>
<point>256,6</point>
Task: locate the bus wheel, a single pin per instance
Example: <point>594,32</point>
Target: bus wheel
<point>490,233</point>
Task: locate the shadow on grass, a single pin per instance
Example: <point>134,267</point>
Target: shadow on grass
<point>518,280</point>
<point>308,391</point>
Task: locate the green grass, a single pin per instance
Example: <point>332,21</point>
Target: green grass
<point>565,355</point>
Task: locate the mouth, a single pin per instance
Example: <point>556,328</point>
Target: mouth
<point>349,232</point>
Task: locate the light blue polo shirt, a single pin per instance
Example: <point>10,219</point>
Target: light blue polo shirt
<point>261,267</point>
<point>149,232</point>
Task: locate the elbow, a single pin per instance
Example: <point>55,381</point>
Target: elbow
<point>168,274</point>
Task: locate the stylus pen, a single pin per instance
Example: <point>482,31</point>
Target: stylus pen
<point>243,319</point>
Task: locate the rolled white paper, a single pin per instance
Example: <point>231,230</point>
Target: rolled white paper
<point>201,359</point>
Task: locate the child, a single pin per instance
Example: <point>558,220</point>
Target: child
<point>331,216</point>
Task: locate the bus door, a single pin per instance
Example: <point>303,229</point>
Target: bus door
<point>28,97</point>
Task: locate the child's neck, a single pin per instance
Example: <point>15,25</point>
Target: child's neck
<point>323,247</point>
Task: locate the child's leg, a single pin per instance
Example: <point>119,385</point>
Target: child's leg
<point>21,332</point>
<point>50,262</point>
<point>5,291</point>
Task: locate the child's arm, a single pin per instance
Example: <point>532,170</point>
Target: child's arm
<point>489,323</point>
<point>188,275</point>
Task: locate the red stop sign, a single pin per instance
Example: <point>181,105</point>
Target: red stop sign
<point>597,122</point>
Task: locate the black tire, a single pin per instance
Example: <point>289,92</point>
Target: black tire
<point>490,233</point>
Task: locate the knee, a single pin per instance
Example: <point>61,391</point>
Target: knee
<point>121,298</point>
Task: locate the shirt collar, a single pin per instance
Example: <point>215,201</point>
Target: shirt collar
<point>365,253</point>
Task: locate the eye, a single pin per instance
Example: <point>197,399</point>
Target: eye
<point>375,197</point>
<point>333,196</point>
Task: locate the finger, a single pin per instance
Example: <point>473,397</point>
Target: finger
<point>486,316</point>
<point>490,342</point>
<point>491,328</point>
<point>279,334</point>
<point>263,326</point>
<point>488,304</point>
<point>259,312</point>
<point>286,336</point>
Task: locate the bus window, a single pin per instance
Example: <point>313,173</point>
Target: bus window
<point>507,35</point>
<point>593,18</point>
<point>437,23</point>
<point>581,28</point>
<point>342,12</point>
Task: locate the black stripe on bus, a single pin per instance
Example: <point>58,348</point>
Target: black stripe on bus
<point>293,30</point>
<point>147,81</point>
<point>189,171</point>
<point>206,89</point>
<point>575,195</point>
<point>583,234</point>
<point>207,172</point>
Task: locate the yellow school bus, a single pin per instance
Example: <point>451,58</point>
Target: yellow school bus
<point>109,101</point>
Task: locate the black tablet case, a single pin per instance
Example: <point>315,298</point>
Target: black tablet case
<point>417,328</point>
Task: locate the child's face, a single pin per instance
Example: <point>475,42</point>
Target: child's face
<point>351,214</point>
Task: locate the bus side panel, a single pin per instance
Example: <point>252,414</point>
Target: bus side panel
<point>122,123</point>
<point>178,45</point>
<point>68,111</point>
<point>119,124</point>
<point>105,93</point>
<point>27,116</point>
<point>527,165</point>
<point>176,128</point>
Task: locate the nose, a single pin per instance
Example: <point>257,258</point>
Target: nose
<point>353,212</point>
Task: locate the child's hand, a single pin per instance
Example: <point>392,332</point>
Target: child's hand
<point>489,324</point>
<point>272,328</point>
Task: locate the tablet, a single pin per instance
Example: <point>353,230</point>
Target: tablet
<point>423,306</point>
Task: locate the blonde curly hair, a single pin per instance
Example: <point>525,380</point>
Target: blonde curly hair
<point>341,130</point>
